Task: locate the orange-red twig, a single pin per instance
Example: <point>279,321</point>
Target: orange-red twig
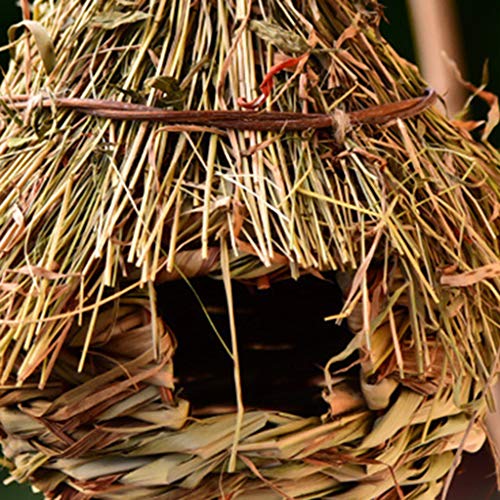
<point>267,84</point>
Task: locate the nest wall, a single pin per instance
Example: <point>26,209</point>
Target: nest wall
<point>105,197</point>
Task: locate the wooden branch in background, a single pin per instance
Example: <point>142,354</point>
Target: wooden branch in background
<point>437,36</point>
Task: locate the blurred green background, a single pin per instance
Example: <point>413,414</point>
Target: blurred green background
<point>479,23</point>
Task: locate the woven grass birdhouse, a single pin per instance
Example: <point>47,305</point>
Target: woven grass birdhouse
<point>241,256</point>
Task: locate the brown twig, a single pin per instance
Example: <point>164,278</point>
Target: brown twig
<point>233,119</point>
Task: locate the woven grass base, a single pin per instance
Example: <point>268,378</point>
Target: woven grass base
<point>118,431</point>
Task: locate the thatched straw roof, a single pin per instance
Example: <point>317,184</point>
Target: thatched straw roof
<point>108,189</point>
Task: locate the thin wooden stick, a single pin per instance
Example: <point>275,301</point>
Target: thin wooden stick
<point>232,119</point>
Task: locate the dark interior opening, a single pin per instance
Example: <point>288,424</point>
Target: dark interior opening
<point>283,343</point>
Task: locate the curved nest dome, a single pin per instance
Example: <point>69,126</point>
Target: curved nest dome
<point>145,144</point>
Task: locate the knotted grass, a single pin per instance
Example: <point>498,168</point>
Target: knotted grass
<point>96,209</point>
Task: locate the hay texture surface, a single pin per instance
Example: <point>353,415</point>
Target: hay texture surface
<point>97,205</point>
